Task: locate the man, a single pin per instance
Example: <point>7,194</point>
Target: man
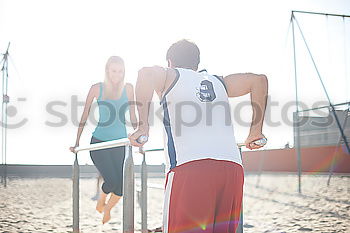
<point>204,185</point>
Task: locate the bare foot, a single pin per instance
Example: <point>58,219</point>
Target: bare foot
<point>106,216</point>
<point>100,205</point>
<point>113,200</point>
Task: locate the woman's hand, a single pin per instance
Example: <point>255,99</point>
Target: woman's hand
<point>72,148</point>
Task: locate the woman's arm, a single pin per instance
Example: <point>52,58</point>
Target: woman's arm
<point>88,102</point>
<point>131,98</point>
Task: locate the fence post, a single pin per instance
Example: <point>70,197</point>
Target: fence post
<point>128,192</point>
<point>76,195</point>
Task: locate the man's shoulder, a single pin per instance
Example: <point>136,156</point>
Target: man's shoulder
<point>153,69</point>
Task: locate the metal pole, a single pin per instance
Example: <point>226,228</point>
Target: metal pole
<point>240,224</point>
<point>334,105</point>
<point>319,13</point>
<point>143,193</point>
<point>76,195</point>
<point>297,146</point>
<point>261,164</point>
<point>296,114</point>
<point>2,142</point>
<point>324,88</point>
<point>128,190</point>
<point>4,70</point>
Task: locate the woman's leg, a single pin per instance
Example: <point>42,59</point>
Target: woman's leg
<point>105,166</point>
<point>101,202</point>
<point>113,200</point>
<point>117,155</point>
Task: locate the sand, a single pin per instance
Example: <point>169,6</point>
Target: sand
<point>45,205</point>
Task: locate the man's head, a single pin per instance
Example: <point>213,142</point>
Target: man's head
<point>183,54</point>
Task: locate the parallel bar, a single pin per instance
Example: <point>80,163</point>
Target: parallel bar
<point>104,145</point>
<point>128,186</point>
<point>318,13</point>
<point>76,195</point>
<point>152,150</point>
<point>144,198</point>
<point>261,165</point>
<point>128,192</point>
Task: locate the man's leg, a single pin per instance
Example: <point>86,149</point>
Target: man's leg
<point>192,198</point>
<point>229,199</point>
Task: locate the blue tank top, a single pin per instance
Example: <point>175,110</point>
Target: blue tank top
<point>111,123</point>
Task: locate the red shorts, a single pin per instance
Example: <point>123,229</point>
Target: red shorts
<point>203,196</point>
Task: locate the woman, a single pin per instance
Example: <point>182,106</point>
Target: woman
<point>113,98</point>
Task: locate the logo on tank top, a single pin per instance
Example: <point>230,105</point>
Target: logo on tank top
<point>205,92</point>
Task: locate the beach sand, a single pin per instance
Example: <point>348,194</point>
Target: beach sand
<point>45,205</point>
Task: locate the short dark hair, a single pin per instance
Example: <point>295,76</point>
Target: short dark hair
<point>184,54</point>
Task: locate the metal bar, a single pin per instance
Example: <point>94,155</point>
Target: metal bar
<point>4,71</point>
<point>296,114</point>
<point>76,195</point>
<point>7,77</point>
<point>318,13</point>
<point>128,183</point>
<point>152,150</point>
<point>310,109</point>
<point>144,198</point>
<point>2,128</point>
<point>128,192</point>
<point>261,165</point>
<point>239,145</point>
<point>297,146</point>
<point>104,145</point>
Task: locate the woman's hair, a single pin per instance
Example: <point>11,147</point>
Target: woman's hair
<point>107,90</point>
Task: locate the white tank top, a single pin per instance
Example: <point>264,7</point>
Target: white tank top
<point>197,120</point>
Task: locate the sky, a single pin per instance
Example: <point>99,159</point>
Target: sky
<point>59,49</point>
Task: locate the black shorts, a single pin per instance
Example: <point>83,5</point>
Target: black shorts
<point>110,163</point>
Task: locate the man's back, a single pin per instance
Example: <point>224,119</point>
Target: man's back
<point>197,119</point>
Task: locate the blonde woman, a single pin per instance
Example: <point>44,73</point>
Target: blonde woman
<point>113,98</point>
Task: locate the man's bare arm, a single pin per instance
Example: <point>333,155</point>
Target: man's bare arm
<point>149,79</point>
<point>131,100</point>
<point>257,86</point>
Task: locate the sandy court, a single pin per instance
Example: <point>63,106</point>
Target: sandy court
<point>276,206</point>
<point>45,205</point>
